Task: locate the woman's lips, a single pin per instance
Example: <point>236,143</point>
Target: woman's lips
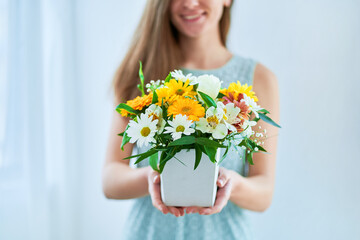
<point>192,17</point>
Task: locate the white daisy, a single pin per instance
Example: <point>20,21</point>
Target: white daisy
<point>252,105</point>
<point>155,112</point>
<point>178,75</point>
<point>178,126</point>
<point>142,131</point>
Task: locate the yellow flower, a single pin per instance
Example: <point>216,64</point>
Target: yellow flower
<point>137,103</point>
<point>163,95</point>
<point>173,90</point>
<point>237,88</point>
<point>188,107</point>
<point>180,88</point>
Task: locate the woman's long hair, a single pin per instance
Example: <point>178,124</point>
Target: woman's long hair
<point>155,43</point>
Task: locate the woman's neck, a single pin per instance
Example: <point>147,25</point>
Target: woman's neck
<point>204,52</point>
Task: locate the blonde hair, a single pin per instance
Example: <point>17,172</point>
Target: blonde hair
<point>155,43</point>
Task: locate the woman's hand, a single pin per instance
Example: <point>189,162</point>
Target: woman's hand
<point>222,197</point>
<point>155,194</point>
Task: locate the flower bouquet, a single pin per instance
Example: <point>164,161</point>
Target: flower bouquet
<point>186,120</point>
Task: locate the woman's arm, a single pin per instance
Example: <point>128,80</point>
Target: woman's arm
<point>120,181</point>
<point>255,191</point>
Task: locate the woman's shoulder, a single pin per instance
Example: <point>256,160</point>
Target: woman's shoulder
<point>263,75</point>
<point>260,72</point>
<point>266,87</point>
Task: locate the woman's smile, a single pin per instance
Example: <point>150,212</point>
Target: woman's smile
<point>193,17</point>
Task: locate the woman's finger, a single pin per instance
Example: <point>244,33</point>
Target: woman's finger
<point>222,198</point>
<point>193,209</point>
<point>154,190</point>
<point>174,211</point>
<point>223,177</point>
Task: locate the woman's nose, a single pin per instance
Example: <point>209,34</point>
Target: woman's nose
<point>190,3</point>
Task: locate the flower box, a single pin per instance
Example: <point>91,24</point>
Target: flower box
<point>181,185</point>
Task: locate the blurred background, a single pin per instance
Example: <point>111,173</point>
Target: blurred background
<point>57,60</point>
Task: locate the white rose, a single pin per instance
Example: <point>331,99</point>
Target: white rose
<point>209,84</point>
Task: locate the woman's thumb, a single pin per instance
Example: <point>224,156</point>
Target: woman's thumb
<point>156,178</point>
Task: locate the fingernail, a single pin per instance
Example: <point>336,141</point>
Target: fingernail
<point>221,182</point>
<point>155,178</point>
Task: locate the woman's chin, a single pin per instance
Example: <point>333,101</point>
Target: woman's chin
<point>193,33</point>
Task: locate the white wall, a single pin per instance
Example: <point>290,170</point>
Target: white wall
<point>104,29</point>
<point>313,47</point>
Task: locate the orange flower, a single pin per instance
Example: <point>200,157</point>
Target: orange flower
<point>137,103</point>
<point>188,107</point>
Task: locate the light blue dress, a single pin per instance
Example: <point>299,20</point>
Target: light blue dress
<point>147,223</point>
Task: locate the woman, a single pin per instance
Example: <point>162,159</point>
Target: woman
<point>190,35</point>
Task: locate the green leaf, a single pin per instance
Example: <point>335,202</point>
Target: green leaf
<point>208,142</point>
<point>251,144</point>
<point>155,97</point>
<point>141,76</point>
<point>127,108</point>
<point>183,141</point>
<point>261,148</point>
<point>256,119</point>
<point>268,120</point>
<point>207,99</point>
<point>166,156</point>
<point>225,154</point>
<point>202,148</point>
<point>161,149</point>
<point>264,110</point>
<point>249,157</point>
<point>125,139</point>
<point>211,152</point>
<point>145,155</point>
<point>151,151</point>
<point>242,143</point>
<point>220,95</point>
<point>153,160</point>
<point>198,154</point>
<point>140,89</point>
<point>167,79</point>
<point>164,108</point>
<point>180,161</point>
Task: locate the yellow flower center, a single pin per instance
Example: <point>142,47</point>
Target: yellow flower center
<point>180,92</point>
<point>180,128</point>
<point>212,120</point>
<point>154,116</point>
<point>186,109</point>
<point>145,131</point>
